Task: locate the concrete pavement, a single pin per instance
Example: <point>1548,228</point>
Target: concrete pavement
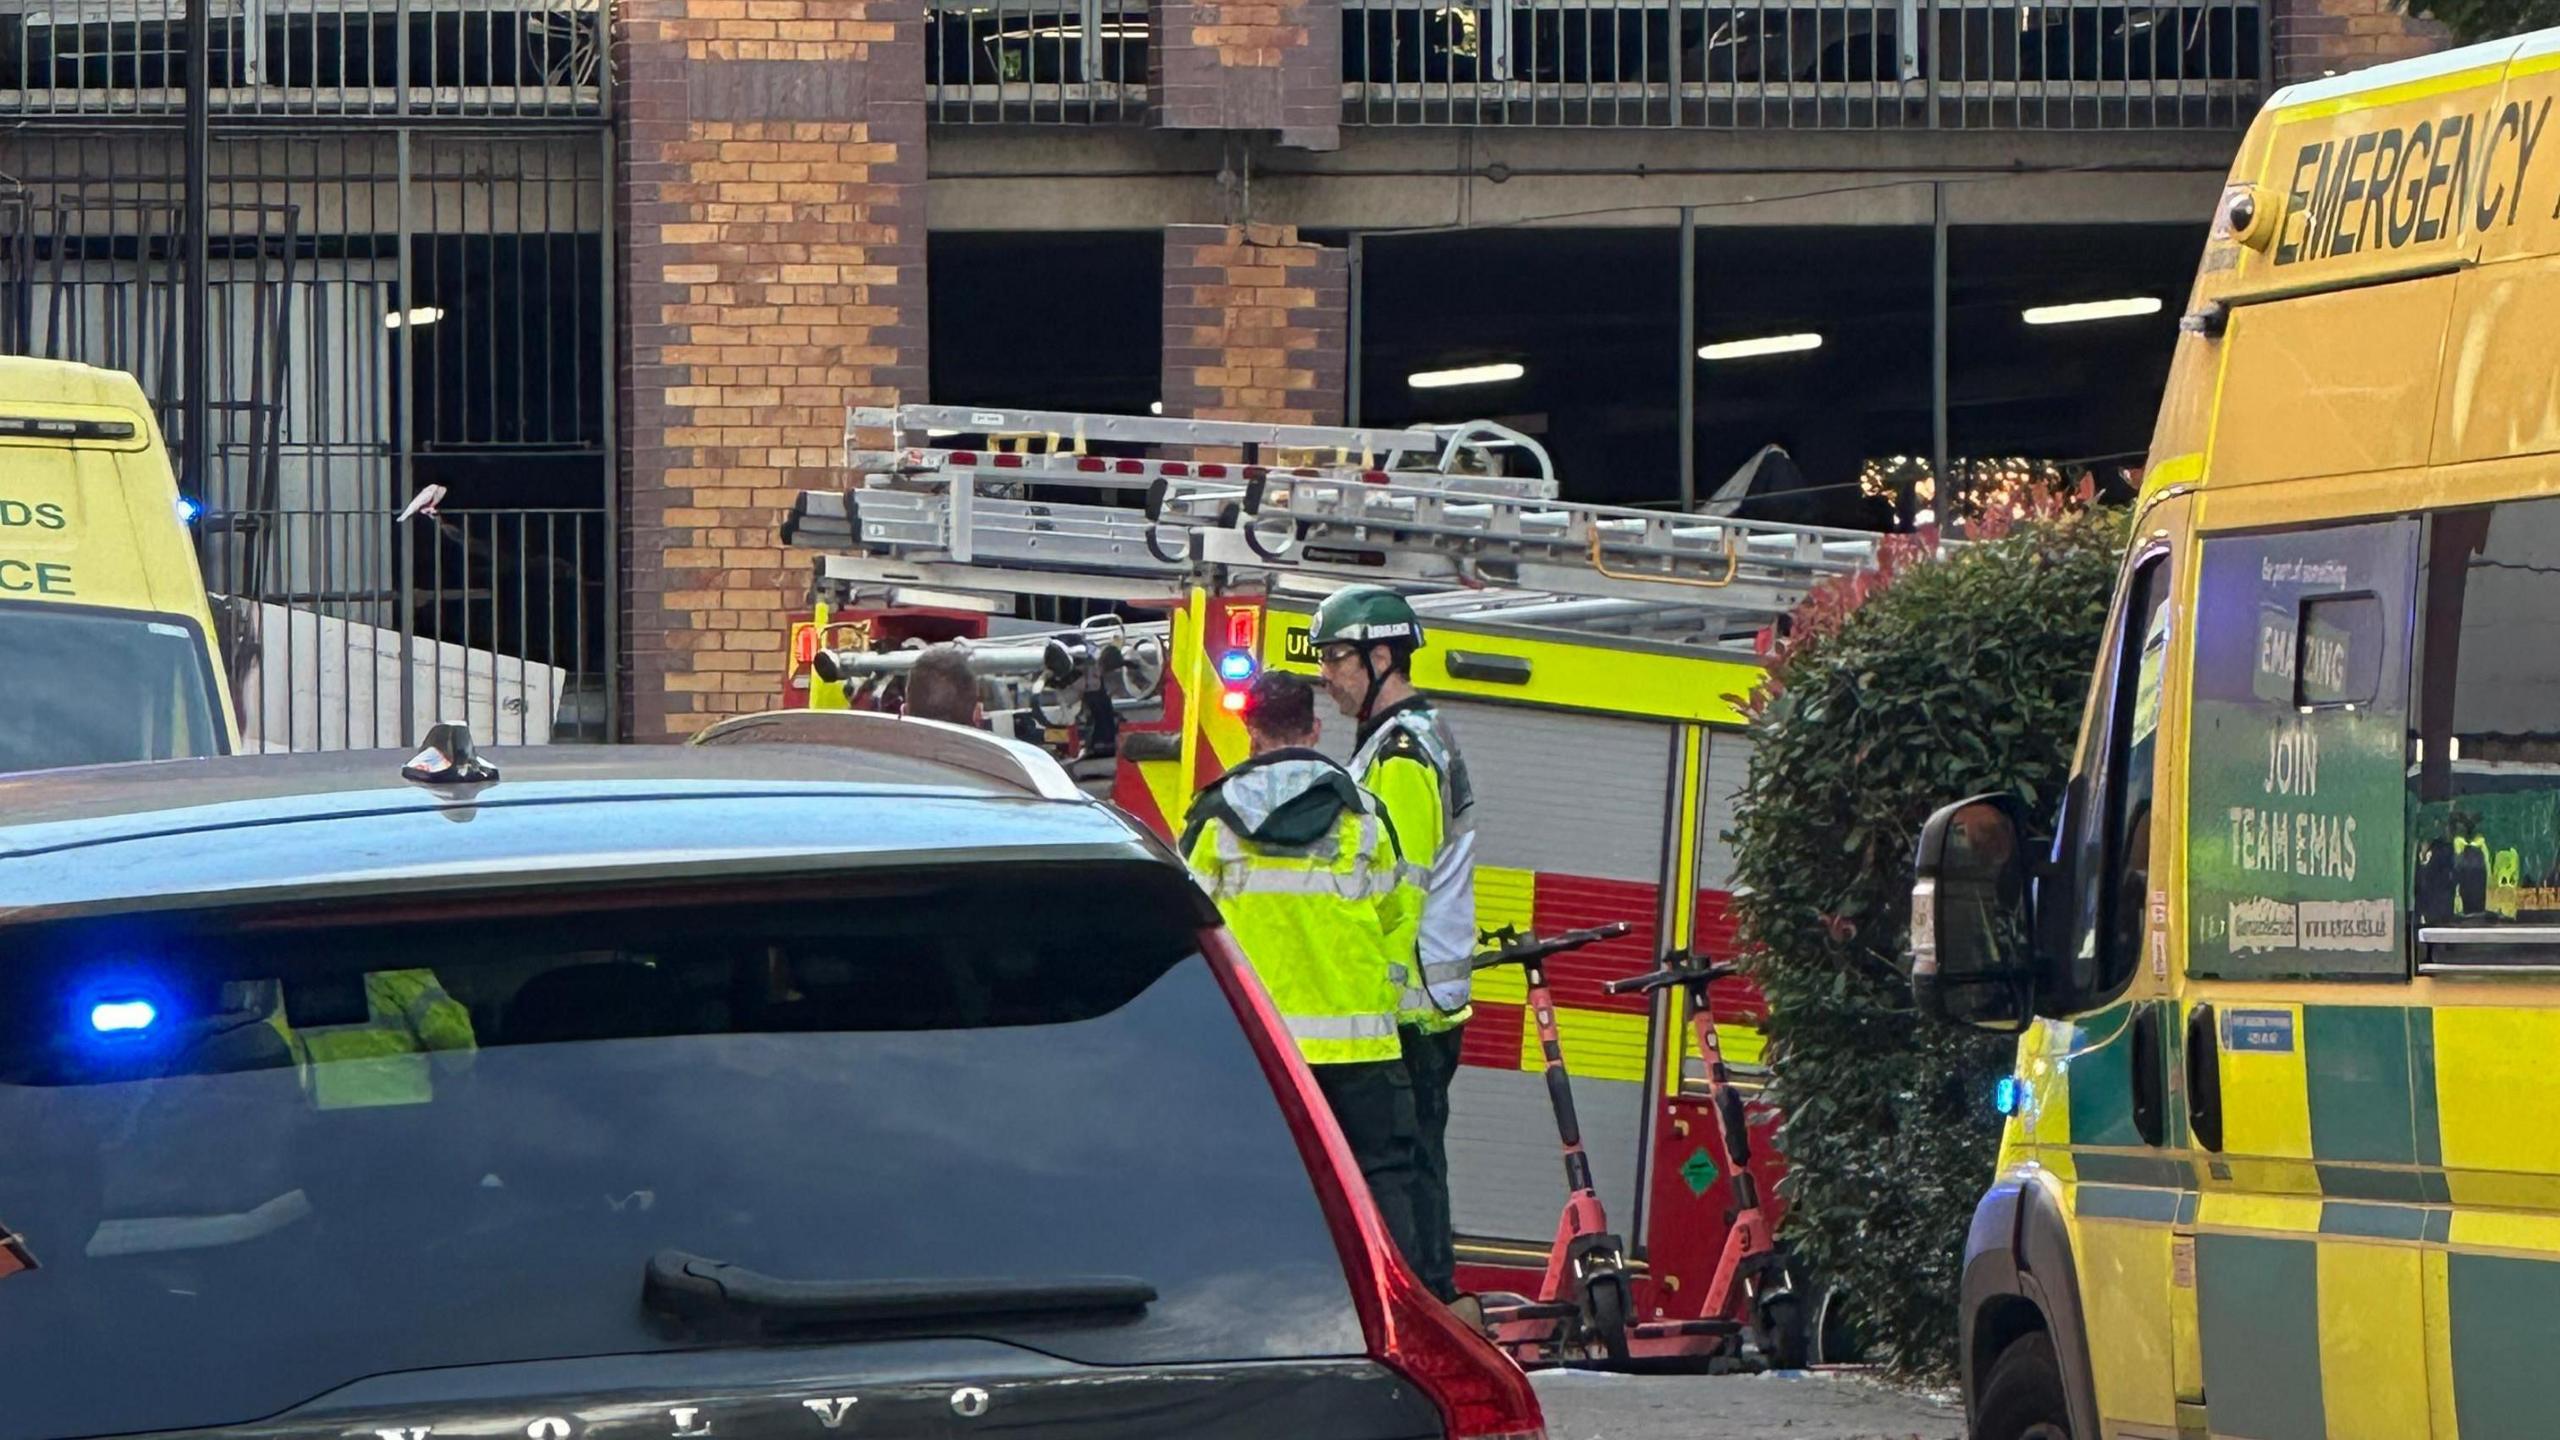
<point>1585,1406</point>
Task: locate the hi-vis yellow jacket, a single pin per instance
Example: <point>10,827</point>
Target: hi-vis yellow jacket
<point>1305,869</point>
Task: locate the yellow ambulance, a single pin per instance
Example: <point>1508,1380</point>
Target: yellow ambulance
<point>2282,1157</point>
<point>107,648</point>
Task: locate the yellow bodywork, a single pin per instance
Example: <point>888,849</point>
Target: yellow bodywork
<point>2372,335</point>
<point>90,519</point>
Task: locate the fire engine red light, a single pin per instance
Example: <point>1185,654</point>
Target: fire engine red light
<point>964,457</point>
<point>1176,470</point>
<point>1255,472</point>
<point>1373,477</point>
<point>1234,700</point>
<point>1093,464</point>
<point>1243,626</point>
<point>1213,472</point>
<point>1131,467</point>
<point>1008,462</point>
<point>804,645</point>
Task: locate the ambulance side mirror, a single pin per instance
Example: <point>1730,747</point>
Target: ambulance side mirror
<point>1973,956</point>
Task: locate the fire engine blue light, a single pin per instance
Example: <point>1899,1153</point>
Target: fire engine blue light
<point>189,511</point>
<point>123,1017</point>
<point>2004,1096</point>
<point>1235,665</point>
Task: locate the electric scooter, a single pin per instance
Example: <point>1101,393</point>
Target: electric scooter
<point>1582,1312</point>
<point>1752,1287</point>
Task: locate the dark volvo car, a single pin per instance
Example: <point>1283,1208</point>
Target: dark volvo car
<point>883,1089</point>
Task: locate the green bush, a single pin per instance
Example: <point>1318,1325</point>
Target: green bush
<point>2476,20</point>
<point>1925,682</point>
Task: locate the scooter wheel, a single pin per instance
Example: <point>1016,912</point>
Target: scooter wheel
<point>1786,1333</point>
<point>1608,1295</point>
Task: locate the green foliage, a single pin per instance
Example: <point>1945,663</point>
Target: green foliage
<point>1940,680</point>
<point>2472,20</point>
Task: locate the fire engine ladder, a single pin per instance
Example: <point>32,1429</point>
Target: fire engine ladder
<point>1404,507</point>
<point>941,510</point>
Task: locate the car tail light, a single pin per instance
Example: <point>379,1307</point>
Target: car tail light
<point>1481,1394</point>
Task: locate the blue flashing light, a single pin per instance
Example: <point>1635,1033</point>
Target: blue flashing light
<point>189,511</point>
<point>2006,1095</point>
<point>1235,665</point>
<point>123,1017</point>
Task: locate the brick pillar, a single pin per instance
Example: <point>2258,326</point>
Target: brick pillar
<point>2326,37</point>
<point>1266,65</point>
<point>1257,325</point>
<point>772,219</point>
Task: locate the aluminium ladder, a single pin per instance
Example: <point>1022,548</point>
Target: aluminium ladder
<point>1419,508</point>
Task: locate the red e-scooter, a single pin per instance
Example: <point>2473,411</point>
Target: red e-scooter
<point>1752,1288</point>
<point>1582,1312</point>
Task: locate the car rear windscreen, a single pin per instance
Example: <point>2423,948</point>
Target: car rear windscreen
<point>251,1161</point>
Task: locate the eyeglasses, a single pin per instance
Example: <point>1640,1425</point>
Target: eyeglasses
<point>1332,655</point>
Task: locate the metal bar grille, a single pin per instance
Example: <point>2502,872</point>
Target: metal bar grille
<point>1809,64</point>
<point>1036,62</point>
<point>391,305</point>
<point>307,59</point>
<point>1803,65</point>
<point>1711,64</point>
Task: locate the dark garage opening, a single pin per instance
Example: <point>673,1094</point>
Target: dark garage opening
<point>1591,316</point>
<point>1047,322</point>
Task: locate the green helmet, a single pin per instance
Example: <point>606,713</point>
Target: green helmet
<point>1367,615</point>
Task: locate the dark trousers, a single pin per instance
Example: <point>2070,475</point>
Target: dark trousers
<point>1373,1103</point>
<point>1432,1062</point>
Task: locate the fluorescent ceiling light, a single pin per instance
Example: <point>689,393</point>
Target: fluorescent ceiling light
<point>1765,345</point>
<point>2124,309</point>
<point>1465,375</point>
<point>423,315</point>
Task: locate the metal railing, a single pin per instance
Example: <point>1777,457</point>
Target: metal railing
<point>392,302</point>
<point>1709,64</point>
<point>307,58</point>
<point>348,629</point>
<point>1860,64</point>
<point>1036,62</point>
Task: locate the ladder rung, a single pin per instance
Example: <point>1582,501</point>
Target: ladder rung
<point>1144,429</point>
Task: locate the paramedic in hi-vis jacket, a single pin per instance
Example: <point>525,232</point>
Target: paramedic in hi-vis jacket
<point>1306,873</point>
<point>1364,638</point>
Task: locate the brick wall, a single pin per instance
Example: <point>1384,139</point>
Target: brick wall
<point>772,217</point>
<point>1266,65</point>
<point>1256,325</point>
<point>2322,37</point>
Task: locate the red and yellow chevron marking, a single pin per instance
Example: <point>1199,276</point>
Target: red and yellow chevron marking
<point>1605,1037</point>
<point>1158,792</point>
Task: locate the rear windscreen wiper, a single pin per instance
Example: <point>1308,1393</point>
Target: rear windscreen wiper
<point>695,1289</point>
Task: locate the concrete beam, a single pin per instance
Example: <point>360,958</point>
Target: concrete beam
<point>1114,179</point>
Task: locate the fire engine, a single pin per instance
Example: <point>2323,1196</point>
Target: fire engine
<point>1594,661</point>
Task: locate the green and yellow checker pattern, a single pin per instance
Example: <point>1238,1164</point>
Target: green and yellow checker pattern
<point>2373,1252</point>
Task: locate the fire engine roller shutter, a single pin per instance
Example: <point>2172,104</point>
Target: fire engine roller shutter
<point>1728,770</point>
<point>1564,795</point>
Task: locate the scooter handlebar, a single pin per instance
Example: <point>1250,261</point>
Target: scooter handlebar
<point>1664,979</point>
<point>1526,949</point>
